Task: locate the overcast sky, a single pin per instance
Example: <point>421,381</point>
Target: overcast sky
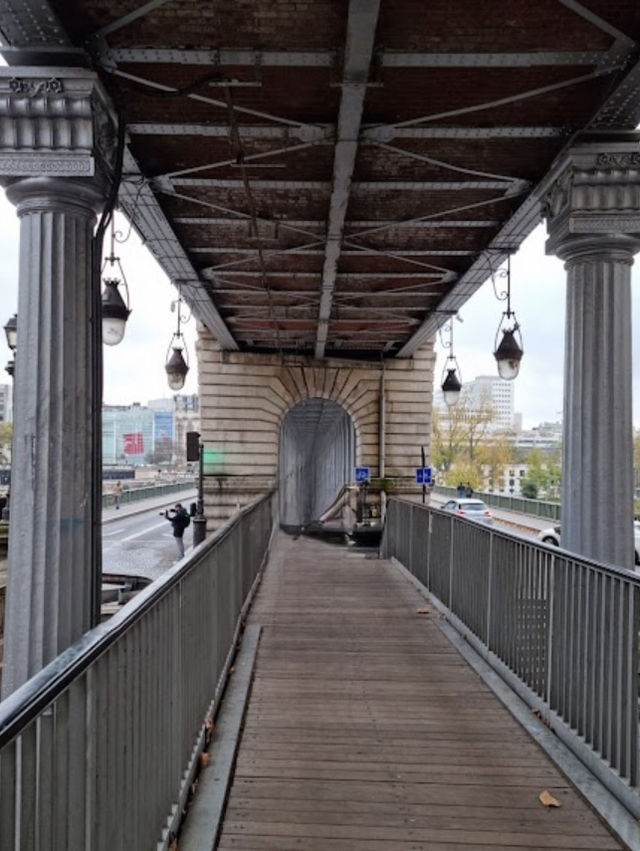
<point>134,370</point>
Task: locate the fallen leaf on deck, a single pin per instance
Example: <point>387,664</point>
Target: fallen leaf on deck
<point>423,611</point>
<point>205,759</point>
<point>548,800</point>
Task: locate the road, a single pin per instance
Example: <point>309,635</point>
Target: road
<point>141,543</point>
<point>509,521</point>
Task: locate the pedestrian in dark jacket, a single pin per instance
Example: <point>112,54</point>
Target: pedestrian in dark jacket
<point>179,519</point>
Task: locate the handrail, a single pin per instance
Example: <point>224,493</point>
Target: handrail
<point>107,701</point>
<point>146,492</point>
<point>28,700</point>
<point>560,629</point>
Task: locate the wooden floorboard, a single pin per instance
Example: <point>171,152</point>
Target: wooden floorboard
<point>366,730</point>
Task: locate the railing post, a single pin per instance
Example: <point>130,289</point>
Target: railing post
<point>489,591</point>
<point>429,535</point>
<point>550,630</point>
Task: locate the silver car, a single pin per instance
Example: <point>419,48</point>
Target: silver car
<point>470,509</point>
<point>551,535</point>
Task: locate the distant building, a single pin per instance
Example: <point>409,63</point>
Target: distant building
<point>134,434</point>
<point>545,436</point>
<point>127,433</point>
<point>507,481</point>
<point>6,403</point>
<point>487,390</point>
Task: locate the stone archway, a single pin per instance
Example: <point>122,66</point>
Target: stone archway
<point>316,458</point>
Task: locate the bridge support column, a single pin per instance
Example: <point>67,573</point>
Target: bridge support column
<point>593,214</point>
<point>54,581</point>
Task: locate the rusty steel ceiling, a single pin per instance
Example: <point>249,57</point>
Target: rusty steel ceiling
<point>334,177</point>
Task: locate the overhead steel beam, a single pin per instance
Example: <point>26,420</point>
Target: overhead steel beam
<point>315,252</point>
<point>509,99</point>
<point>141,207</point>
<point>323,134</point>
<point>362,186</point>
<point>327,58</point>
<point>590,16</point>
<point>623,102</point>
<point>355,223</point>
<point>361,28</point>
<point>152,84</point>
<point>343,276</point>
<point>125,20</point>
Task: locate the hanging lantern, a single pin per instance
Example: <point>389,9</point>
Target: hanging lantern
<point>176,368</point>
<point>114,313</point>
<point>451,384</point>
<point>451,387</point>
<point>509,353</point>
<point>115,310</point>
<point>176,365</point>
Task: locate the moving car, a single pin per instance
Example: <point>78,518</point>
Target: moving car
<point>471,509</point>
<point>552,536</point>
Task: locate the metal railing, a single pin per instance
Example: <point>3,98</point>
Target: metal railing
<point>561,630</point>
<point>146,492</point>
<point>536,507</point>
<point>98,750</point>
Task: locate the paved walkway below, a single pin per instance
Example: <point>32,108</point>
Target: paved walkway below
<point>366,731</point>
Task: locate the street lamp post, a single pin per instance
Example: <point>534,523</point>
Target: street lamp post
<point>11,333</point>
<point>195,452</point>
<point>200,521</point>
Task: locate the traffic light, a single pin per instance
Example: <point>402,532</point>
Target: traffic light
<point>193,445</point>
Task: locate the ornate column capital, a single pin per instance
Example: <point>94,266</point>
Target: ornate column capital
<point>54,122</point>
<point>595,199</point>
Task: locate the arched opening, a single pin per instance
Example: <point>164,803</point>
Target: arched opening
<point>317,454</point>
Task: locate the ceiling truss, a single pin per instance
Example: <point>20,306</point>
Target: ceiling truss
<point>344,182</point>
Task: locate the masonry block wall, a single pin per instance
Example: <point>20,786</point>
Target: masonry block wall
<point>244,398</point>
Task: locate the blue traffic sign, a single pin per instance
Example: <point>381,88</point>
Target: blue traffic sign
<point>362,475</point>
<point>424,475</point>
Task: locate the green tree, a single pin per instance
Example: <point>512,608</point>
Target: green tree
<point>529,490</point>
<point>6,432</point>
<point>494,455</point>
<point>458,433</point>
<point>543,471</point>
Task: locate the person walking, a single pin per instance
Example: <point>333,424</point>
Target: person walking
<point>117,493</point>
<point>179,519</point>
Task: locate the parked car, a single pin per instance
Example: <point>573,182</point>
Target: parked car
<point>471,509</point>
<point>552,536</point>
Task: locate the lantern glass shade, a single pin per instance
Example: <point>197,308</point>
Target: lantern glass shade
<point>176,369</point>
<point>11,332</point>
<point>508,355</point>
<point>451,388</point>
<point>114,314</point>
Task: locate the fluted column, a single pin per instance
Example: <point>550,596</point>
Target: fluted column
<point>53,580</point>
<point>593,214</point>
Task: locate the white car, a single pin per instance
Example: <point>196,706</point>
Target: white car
<point>470,509</point>
<point>552,536</point>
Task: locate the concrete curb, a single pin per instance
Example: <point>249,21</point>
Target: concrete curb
<point>147,505</point>
<point>202,826</point>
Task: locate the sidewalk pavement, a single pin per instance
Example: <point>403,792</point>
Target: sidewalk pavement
<point>140,506</point>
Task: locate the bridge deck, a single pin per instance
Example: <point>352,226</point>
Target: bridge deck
<point>366,729</point>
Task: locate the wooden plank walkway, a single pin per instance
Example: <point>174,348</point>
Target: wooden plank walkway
<point>366,731</point>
